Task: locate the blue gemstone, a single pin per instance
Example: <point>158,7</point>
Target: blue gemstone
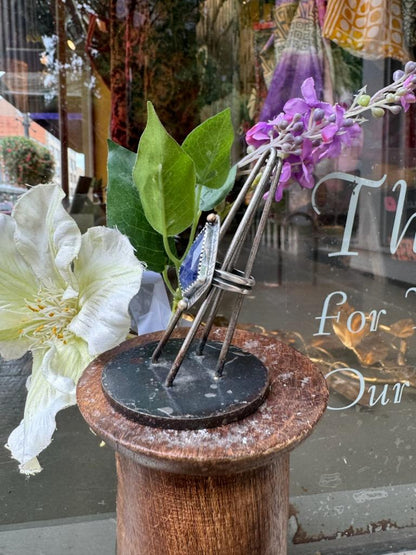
<point>188,272</point>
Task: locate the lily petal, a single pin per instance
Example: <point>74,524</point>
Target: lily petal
<point>17,281</point>
<point>45,399</point>
<point>46,236</point>
<point>12,345</point>
<point>109,275</point>
<point>17,284</point>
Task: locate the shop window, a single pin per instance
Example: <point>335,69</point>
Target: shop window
<point>335,275</point>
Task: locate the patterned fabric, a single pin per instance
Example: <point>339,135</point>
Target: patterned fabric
<point>298,50</point>
<point>368,28</point>
<point>409,22</point>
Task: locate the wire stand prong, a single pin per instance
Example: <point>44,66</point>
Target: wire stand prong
<point>249,267</point>
<point>242,195</point>
<point>240,236</point>
<point>224,227</point>
<point>188,339</point>
<point>203,396</point>
<point>210,321</point>
<point>225,276</point>
<point>182,306</point>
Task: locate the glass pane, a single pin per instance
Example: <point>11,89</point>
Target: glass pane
<point>335,273</point>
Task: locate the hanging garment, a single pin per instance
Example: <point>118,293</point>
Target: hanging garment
<point>409,22</point>
<point>367,28</point>
<point>299,52</point>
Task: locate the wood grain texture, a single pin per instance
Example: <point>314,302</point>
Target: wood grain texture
<point>217,491</point>
<point>239,514</point>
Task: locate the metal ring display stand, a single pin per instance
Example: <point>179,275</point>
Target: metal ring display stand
<point>238,282</point>
<point>150,389</point>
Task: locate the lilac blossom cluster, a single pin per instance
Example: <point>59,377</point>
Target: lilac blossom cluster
<point>309,130</point>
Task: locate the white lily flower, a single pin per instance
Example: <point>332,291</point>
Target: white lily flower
<point>65,298</point>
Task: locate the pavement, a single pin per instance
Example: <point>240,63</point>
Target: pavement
<point>356,470</point>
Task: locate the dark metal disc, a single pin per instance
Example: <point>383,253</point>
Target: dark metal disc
<point>197,399</point>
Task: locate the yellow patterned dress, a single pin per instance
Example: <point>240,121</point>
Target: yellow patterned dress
<point>368,28</point>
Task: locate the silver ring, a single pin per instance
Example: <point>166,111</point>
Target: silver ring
<point>235,277</point>
<point>229,287</point>
<point>234,281</point>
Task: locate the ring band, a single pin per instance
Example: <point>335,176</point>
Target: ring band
<point>236,277</point>
<point>229,287</point>
<point>234,281</point>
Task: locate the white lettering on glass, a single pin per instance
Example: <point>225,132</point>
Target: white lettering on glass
<point>395,238</point>
<point>357,320</point>
<point>382,397</point>
<point>374,316</point>
<point>410,290</point>
<point>398,387</point>
<point>359,183</point>
<point>324,316</point>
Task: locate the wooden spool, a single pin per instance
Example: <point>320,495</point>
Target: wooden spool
<point>217,491</point>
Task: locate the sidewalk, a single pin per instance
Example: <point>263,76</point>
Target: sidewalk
<point>97,536</point>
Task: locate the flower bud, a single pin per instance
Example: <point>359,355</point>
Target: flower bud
<point>348,122</point>
<point>395,109</point>
<point>364,100</point>
<point>298,127</point>
<point>298,140</point>
<point>401,92</point>
<point>297,117</point>
<point>410,67</point>
<point>377,112</point>
<point>283,124</point>
<point>318,114</point>
<point>398,75</point>
<point>332,118</point>
<point>286,147</point>
<point>390,97</point>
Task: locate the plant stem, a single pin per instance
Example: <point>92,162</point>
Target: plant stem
<point>167,281</point>
<point>174,259</point>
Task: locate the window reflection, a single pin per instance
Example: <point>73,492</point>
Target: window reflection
<point>341,290</point>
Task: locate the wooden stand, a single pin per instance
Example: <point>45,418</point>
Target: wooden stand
<point>217,491</point>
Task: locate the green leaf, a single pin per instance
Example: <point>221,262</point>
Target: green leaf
<point>125,210</point>
<point>165,177</point>
<point>210,198</point>
<point>209,146</point>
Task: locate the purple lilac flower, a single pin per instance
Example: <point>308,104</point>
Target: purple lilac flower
<point>284,180</point>
<point>336,135</point>
<point>408,98</point>
<point>309,130</point>
<point>309,102</point>
<point>259,133</point>
<point>303,172</point>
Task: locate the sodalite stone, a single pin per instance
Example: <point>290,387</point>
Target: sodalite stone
<point>188,272</point>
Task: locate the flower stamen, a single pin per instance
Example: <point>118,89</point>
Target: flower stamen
<point>53,315</point>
